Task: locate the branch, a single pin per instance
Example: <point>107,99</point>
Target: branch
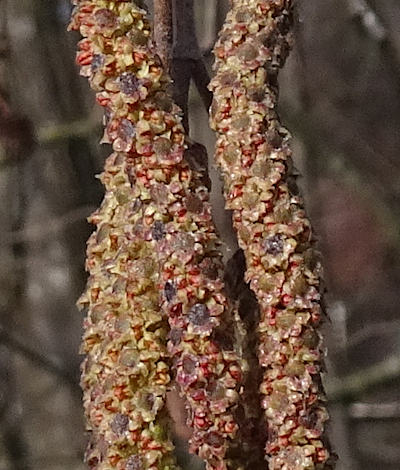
<point>187,59</point>
<point>163,31</point>
<point>53,133</point>
<point>353,385</point>
<point>18,346</point>
<point>375,410</point>
<point>369,19</point>
<point>48,228</point>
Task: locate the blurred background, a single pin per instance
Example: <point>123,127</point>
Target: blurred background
<point>340,97</point>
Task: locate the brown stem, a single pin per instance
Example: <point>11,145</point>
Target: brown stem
<point>187,60</point>
<point>163,31</point>
<point>201,79</point>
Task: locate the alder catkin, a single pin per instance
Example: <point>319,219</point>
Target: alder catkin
<point>156,237</point>
<point>253,151</point>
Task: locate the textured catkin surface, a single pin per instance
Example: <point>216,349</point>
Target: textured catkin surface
<point>155,244</point>
<point>253,151</point>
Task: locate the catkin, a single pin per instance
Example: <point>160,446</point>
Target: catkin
<point>164,241</point>
<point>254,154</point>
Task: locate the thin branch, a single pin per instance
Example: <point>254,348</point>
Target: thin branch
<point>51,134</point>
<point>18,346</point>
<point>353,385</point>
<point>187,59</point>
<point>48,228</point>
<point>375,410</point>
<point>201,79</point>
<point>163,31</point>
<point>375,329</point>
<point>369,19</point>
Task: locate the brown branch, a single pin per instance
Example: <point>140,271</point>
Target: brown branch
<point>201,79</point>
<point>48,228</point>
<point>163,31</point>
<point>42,362</point>
<point>375,410</point>
<point>187,59</point>
<point>369,19</point>
<point>353,385</point>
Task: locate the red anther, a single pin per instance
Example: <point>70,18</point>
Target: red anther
<point>237,192</point>
<point>182,212</point>
<point>282,359</point>
<point>247,162</point>
<point>176,309</point>
<point>315,317</point>
<point>94,293</point>
<point>272,312</point>
<point>184,175</point>
<point>200,422</point>
<point>84,58</point>
<point>322,455</point>
<point>152,445</point>
<point>138,57</point>
<point>230,427</point>
<point>198,395</point>
<point>283,441</point>
<point>236,374</point>
<point>85,45</point>
<point>286,299</point>
<point>182,284</point>
<point>114,459</point>
<point>120,392</point>
<point>194,270</point>
<point>135,435</point>
<point>205,369</point>
<point>103,100</point>
<point>88,8</point>
<point>108,406</point>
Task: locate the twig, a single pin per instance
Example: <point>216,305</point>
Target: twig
<point>163,31</point>
<point>53,133</point>
<point>375,410</point>
<point>353,385</point>
<point>48,228</point>
<point>375,329</point>
<point>18,346</point>
<point>375,29</point>
<point>368,18</point>
<point>201,79</point>
<point>187,59</point>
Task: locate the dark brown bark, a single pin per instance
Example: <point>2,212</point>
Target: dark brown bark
<point>187,60</point>
<point>163,30</point>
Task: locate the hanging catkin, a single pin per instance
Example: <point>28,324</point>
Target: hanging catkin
<point>155,245</point>
<point>253,151</point>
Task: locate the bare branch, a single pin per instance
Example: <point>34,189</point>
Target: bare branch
<point>375,410</point>
<point>343,388</point>
<point>163,31</point>
<point>187,59</point>
<point>46,364</point>
<point>368,18</point>
<point>48,228</point>
<point>201,79</point>
<point>53,133</point>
